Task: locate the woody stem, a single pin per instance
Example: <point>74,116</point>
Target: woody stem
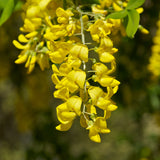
<point>83,62</point>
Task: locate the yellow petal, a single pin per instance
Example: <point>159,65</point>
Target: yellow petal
<point>65,68</point>
<point>55,69</point>
<point>55,79</point>
<point>106,43</point>
<point>112,107</point>
<point>107,114</point>
<point>31,34</point>
<point>105,130</point>
<point>95,93</point>
<point>115,83</point>
<point>78,77</point>
<point>62,93</point>
<point>43,3</point>
<point>28,61</point>
<point>91,109</point>
<point>116,7</point>
<point>56,57</point>
<point>21,59</point>
<point>101,125</point>
<point>74,104</point>
<point>33,59</point>
<point>103,103</point>
<point>30,68</point>
<point>94,136</point>
<point>64,127</point>
<point>95,9</point>
<point>83,55</point>
<point>19,46</point>
<point>106,57</point>
<point>64,115</point>
<point>140,10</point>
<point>80,51</point>
<point>33,11</point>
<point>37,22</point>
<point>100,69</point>
<point>65,82</point>
<point>22,38</point>
<point>83,121</point>
<point>106,81</point>
<point>115,89</point>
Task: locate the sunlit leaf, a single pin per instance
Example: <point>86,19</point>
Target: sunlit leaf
<point>118,15</point>
<point>18,5</point>
<point>133,4</point>
<point>3,3</point>
<point>133,23</point>
<point>7,11</point>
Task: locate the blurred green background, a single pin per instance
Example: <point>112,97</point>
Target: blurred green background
<point>28,109</point>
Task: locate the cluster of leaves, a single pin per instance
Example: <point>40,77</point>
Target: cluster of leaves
<point>130,15</point>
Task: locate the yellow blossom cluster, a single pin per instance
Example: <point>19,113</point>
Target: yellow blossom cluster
<point>154,65</point>
<point>33,44</point>
<point>80,49</point>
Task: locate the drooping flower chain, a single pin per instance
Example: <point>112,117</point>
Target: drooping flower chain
<point>81,69</point>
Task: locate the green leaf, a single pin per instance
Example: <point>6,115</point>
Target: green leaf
<point>133,4</point>
<point>18,6</point>
<point>7,11</point>
<point>3,3</point>
<point>118,15</point>
<point>133,23</point>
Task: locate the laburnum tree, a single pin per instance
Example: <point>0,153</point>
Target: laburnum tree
<point>76,39</point>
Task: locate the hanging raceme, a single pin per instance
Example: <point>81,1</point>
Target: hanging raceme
<point>154,65</point>
<point>76,40</point>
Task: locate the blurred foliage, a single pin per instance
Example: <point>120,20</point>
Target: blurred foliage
<point>28,116</point>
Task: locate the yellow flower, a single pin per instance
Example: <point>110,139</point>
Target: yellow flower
<point>63,16</point>
<point>74,62</point>
<point>55,32</point>
<point>67,112</point>
<point>101,99</point>
<point>78,77</point>
<point>100,69</point>
<point>106,81</point>
<point>28,53</point>
<point>100,29</point>
<point>95,93</point>
<point>71,28</point>
<point>105,3</point>
<point>65,117</point>
<point>58,51</point>
<point>63,70</point>
<point>62,93</point>
<point>65,82</point>
<point>116,7</point>
<point>99,126</point>
<point>80,51</point>
<point>74,104</point>
<point>98,9</point>
<point>31,25</point>
<point>43,60</point>
<point>106,50</point>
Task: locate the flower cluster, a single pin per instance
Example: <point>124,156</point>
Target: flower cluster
<point>154,65</point>
<point>79,46</point>
<point>36,19</point>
